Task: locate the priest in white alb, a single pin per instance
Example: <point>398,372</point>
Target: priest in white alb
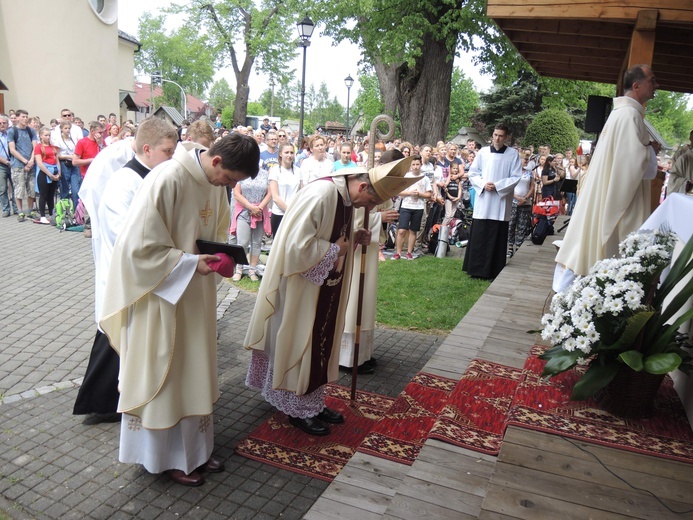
<point>110,194</point>
<point>493,175</point>
<point>159,309</point>
<point>615,195</point>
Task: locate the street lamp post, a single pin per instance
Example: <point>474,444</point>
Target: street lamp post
<point>305,31</point>
<point>157,77</point>
<point>349,82</point>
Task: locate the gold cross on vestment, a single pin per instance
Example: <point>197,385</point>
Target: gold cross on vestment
<point>206,213</point>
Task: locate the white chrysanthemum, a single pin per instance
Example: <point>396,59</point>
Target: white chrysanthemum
<point>632,300</point>
<point>566,331</point>
<point>614,305</point>
<point>582,343</point>
<point>570,344</point>
<point>592,335</point>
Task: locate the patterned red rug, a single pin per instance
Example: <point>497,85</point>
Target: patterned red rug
<point>278,443</point>
<point>477,410</point>
<point>400,435</point>
<point>544,405</point>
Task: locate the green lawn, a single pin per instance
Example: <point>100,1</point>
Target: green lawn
<point>428,294</point>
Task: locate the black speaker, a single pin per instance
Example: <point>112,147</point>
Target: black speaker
<point>598,109</point>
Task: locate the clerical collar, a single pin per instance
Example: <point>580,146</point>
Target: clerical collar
<point>502,150</point>
<point>138,167</point>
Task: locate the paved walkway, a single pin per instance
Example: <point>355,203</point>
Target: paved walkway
<point>53,467</point>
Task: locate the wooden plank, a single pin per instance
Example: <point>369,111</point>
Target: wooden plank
<point>527,506</point>
<point>597,496</point>
<point>406,507</point>
<point>583,466</point>
<point>642,43</point>
<point>358,497</point>
<point>373,473</point>
<point>589,10</point>
<point>611,457</point>
<point>324,509</point>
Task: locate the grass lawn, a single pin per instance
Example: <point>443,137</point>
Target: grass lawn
<point>428,294</point>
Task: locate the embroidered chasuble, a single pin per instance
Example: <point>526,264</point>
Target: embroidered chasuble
<point>615,197</point>
<point>296,322</point>
<point>159,313</point>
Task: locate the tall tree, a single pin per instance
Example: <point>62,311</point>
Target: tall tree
<point>411,45</point>
<point>245,33</point>
<point>368,100</point>
<point>221,95</point>
<point>464,100</point>
<point>182,56</point>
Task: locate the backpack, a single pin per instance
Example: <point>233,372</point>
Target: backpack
<point>391,236</point>
<point>65,217</point>
<point>541,229</point>
<point>79,213</point>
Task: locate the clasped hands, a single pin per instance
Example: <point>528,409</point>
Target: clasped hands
<point>361,236</point>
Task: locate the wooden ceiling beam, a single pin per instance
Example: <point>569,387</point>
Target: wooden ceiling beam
<point>565,50</point>
<point>621,31</point>
<point>573,60</point>
<point>643,41</point>
<point>598,10</point>
<point>593,42</point>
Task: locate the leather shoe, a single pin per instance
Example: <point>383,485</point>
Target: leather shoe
<point>310,425</point>
<point>213,465</point>
<point>192,480</point>
<point>330,416</point>
<point>99,418</point>
<point>365,368</point>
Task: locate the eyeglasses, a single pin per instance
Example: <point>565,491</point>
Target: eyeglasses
<point>281,135</point>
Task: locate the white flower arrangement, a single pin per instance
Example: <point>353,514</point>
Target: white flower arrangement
<point>614,316</point>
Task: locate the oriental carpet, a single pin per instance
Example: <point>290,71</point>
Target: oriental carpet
<point>476,413</point>
<point>400,435</point>
<point>544,405</point>
<point>278,443</point>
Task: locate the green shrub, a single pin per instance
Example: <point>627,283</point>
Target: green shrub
<point>227,117</point>
<point>553,127</point>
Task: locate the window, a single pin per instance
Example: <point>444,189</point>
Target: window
<point>106,10</point>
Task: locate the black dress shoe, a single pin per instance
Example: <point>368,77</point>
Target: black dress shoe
<point>194,479</point>
<point>330,416</point>
<point>365,368</point>
<point>310,425</point>
<point>213,465</point>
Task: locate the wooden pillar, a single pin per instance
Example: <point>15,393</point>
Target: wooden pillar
<point>642,41</point>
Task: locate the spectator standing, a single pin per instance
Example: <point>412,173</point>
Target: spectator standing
<point>549,178</point>
<point>67,116</point>
<point>270,156</point>
<point>493,174</point>
<point>70,177</point>
<point>284,183</point>
<point>7,201</point>
<point>21,140</point>
<point>344,157</point>
<point>318,165</point>
<point>411,210</point>
<point>453,192</point>
<point>520,217</point>
<point>47,174</point>
<point>250,219</point>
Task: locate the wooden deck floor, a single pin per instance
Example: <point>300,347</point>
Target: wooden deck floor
<point>536,475</point>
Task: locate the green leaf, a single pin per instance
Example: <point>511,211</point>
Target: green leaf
<point>681,267</point>
<point>560,361</point>
<point>596,378</point>
<point>662,363</point>
<point>633,359</point>
<point>634,325</point>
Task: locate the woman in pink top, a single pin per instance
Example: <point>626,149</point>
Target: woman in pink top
<point>47,173</point>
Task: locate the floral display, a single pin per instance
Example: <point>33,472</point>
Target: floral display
<point>617,315</point>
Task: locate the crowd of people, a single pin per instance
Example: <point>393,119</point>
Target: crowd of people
<point>154,196</point>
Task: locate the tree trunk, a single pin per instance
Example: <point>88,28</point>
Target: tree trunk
<point>387,82</point>
<point>424,94</point>
<point>240,104</point>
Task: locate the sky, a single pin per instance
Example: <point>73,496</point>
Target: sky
<point>320,58</point>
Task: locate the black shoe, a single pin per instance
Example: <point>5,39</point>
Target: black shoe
<point>99,418</point>
<point>311,426</point>
<point>364,368</point>
<point>330,416</point>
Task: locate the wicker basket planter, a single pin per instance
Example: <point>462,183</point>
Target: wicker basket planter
<point>630,394</point>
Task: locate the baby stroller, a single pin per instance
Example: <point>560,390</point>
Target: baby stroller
<point>461,224</point>
<point>544,214</point>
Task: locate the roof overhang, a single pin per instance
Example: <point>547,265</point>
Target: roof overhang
<point>597,41</point>
<point>126,98</point>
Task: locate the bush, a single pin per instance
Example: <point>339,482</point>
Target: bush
<point>553,127</point>
<point>227,117</point>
